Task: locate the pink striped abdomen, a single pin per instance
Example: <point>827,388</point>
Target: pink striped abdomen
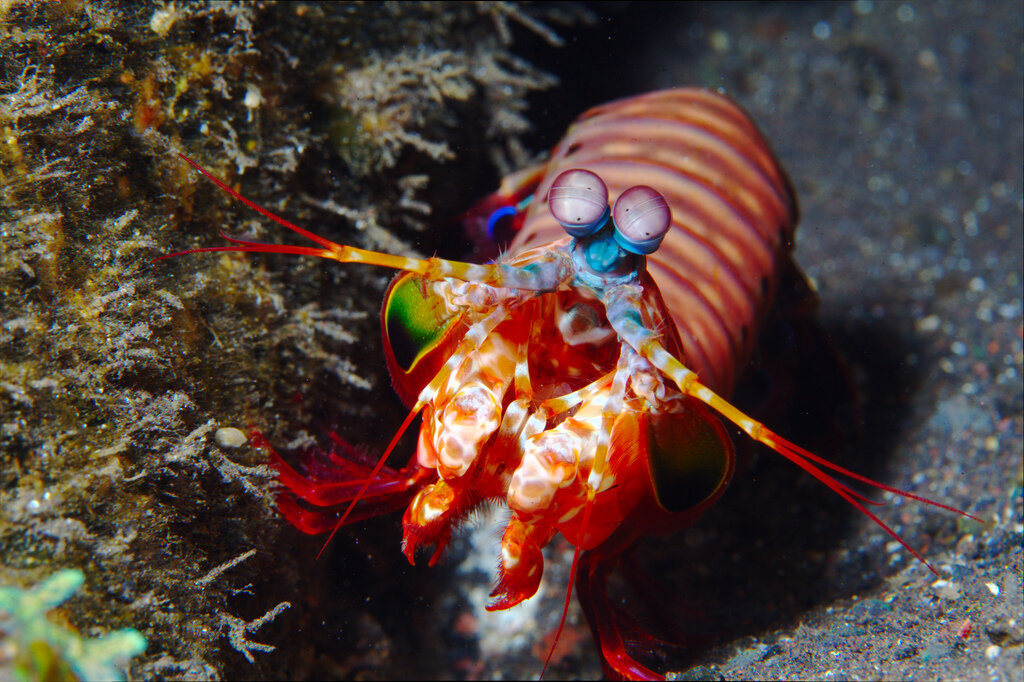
<point>733,213</point>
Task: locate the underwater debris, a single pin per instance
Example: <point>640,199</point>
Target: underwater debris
<point>215,572</point>
<point>38,647</point>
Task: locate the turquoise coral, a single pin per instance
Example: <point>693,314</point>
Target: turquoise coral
<point>23,624</point>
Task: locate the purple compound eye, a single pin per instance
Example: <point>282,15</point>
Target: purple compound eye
<point>642,217</point>
<point>578,200</point>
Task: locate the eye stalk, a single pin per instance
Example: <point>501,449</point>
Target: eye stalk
<point>578,200</point>
<point>642,218</point>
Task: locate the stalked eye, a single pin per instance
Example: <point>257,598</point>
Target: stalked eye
<point>578,200</point>
<point>642,217</point>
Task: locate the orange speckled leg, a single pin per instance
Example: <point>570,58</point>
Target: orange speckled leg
<point>462,403</point>
<point>522,562</point>
<point>430,517</point>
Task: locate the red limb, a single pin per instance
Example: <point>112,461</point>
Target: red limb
<point>333,493</point>
<point>592,583</point>
<point>864,479</point>
<point>390,492</point>
<point>253,246</point>
<point>373,474</point>
<point>315,522</point>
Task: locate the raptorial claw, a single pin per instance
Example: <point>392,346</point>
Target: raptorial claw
<point>429,518</point>
<point>522,563</point>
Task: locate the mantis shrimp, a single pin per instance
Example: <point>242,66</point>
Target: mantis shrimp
<point>581,379</point>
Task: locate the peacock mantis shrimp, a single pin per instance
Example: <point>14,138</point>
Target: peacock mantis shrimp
<point>581,379</point>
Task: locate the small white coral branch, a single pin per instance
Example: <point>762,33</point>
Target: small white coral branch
<point>237,629</point>
<point>502,12</point>
<point>217,570</point>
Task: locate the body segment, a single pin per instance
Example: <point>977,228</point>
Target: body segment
<point>733,213</point>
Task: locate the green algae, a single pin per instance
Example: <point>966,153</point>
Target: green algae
<point>41,648</point>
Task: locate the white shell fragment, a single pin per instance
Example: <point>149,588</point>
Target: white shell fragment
<point>230,437</point>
